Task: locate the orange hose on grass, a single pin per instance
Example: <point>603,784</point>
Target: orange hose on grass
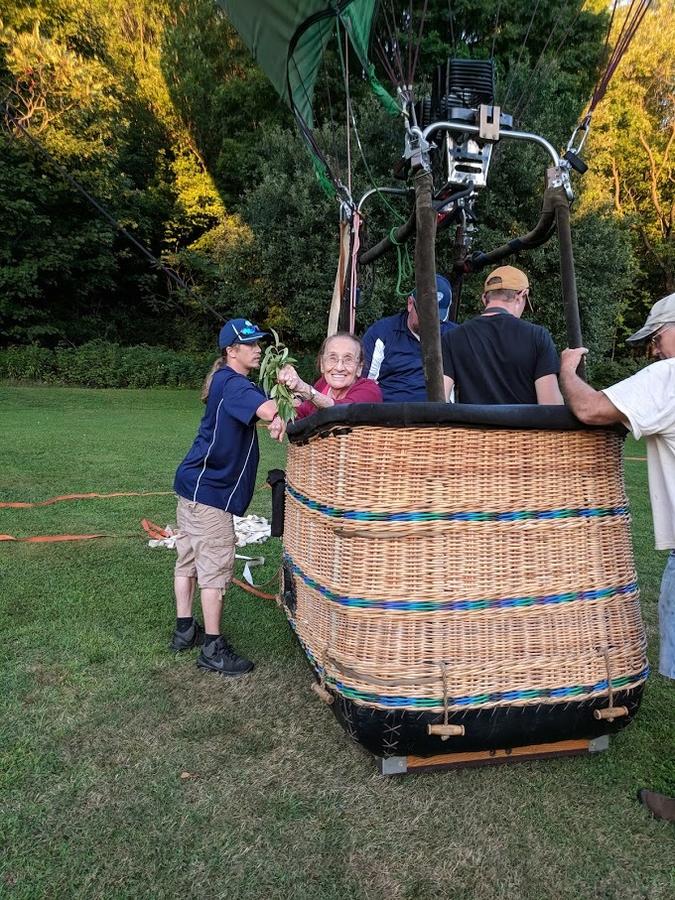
<point>150,528</point>
<point>154,531</point>
<point>24,505</point>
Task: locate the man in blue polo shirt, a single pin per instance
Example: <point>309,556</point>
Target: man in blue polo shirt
<point>214,482</point>
<point>392,351</point>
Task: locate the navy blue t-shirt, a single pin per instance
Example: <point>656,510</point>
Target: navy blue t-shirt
<point>393,358</point>
<point>221,466</point>
<point>496,359</point>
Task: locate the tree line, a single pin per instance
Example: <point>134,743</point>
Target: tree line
<point>157,110</point>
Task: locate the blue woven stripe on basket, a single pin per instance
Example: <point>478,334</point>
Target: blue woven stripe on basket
<point>566,692</point>
<point>524,515</point>
<point>463,605</point>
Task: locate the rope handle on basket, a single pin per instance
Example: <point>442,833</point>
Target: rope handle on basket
<point>320,689</point>
<point>445,730</point>
<point>611,712</point>
<point>323,694</point>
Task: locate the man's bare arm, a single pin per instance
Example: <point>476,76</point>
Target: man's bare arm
<point>267,411</point>
<point>448,384</point>
<point>548,391</point>
<point>588,405</point>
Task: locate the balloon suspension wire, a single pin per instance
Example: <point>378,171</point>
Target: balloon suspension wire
<point>357,220</point>
<point>348,104</point>
<point>389,49</point>
<point>541,69</point>
<point>636,12</point>
<point>327,178</point>
<point>14,122</point>
<point>515,68</point>
<point>331,115</point>
<point>359,143</point>
<point>494,30</point>
<point>408,21</point>
<point>418,42</point>
<point>451,23</point>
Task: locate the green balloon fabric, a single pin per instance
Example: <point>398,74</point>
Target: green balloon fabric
<point>288,39</point>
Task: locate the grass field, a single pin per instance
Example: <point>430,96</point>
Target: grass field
<point>125,773</point>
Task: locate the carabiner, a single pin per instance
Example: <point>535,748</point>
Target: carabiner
<point>584,126</point>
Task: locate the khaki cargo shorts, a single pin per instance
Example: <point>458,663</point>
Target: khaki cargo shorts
<point>205,544</point>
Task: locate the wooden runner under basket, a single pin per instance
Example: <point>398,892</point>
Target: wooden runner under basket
<point>454,568</point>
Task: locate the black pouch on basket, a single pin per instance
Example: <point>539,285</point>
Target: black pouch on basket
<point>276,478</point>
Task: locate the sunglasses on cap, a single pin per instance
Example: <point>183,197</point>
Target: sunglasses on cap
<point>246,331</point>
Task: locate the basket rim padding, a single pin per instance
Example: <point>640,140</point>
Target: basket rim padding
<point>401,415</point>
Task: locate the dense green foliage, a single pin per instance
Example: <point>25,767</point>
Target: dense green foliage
<point>158,110</point>
<point>102,364</point>
<point>105,364</point>
<point>85,80</point>
<point>632,149</point>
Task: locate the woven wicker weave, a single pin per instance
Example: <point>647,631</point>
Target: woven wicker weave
<point>502,556</point>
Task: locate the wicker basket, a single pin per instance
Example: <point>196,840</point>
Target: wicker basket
<point>461,568</point>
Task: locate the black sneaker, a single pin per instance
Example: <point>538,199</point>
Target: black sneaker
<point>218,656</point>
<point>186,640</point>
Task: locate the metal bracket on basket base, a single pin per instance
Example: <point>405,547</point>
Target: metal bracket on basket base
<point>403,765</point>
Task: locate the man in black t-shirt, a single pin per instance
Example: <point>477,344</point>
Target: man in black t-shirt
<point>496,357</point>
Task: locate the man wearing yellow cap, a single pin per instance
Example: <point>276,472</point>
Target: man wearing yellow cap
<point>497,358</point>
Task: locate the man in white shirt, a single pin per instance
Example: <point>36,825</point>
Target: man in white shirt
<point>645,403</point>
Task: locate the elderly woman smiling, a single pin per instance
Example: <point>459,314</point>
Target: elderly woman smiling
<point>340,362</point>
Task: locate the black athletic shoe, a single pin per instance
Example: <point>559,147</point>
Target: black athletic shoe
<point>218,656</point>
<point>186,640</point>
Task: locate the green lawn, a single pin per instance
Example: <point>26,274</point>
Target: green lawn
<point>126,773</point>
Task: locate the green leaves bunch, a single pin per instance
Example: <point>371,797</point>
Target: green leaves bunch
<point>277,356</point>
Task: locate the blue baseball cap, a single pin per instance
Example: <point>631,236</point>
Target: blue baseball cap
<point>239,331</point>
<point>444,296</point>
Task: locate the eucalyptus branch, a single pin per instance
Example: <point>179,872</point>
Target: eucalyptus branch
<point>276,356</point>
